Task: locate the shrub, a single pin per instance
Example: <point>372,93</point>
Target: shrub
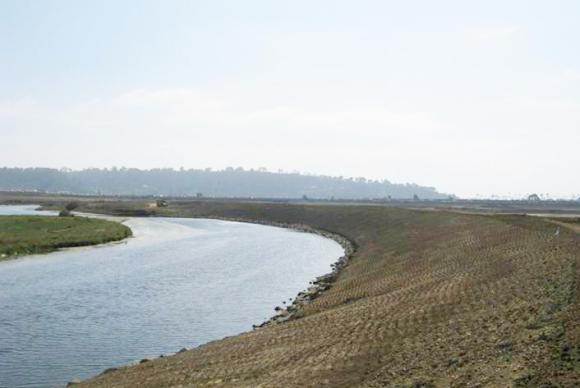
<point>65,213</point>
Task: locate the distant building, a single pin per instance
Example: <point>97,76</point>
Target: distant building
<point>533,197</point>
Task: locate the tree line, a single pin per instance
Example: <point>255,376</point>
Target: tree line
<point>230,182</point>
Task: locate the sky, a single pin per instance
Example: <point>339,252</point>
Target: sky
<point>475,98</point>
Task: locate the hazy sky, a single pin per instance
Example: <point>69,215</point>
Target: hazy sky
<point>472,97</point>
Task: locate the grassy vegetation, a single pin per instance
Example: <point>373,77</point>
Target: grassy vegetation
<point>23,235</point>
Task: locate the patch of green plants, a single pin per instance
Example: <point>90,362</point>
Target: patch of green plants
<point>25,235</point>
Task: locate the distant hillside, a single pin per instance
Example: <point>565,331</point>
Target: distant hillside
<point>230,182</point>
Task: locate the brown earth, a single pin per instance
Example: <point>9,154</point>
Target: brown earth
<point>428,299</point>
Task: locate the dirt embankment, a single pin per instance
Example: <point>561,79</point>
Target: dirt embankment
<point>427,299</point>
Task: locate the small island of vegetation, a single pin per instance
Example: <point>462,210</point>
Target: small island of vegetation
<point>25,235</point>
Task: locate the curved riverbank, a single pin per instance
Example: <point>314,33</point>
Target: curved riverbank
<point>428,299</point>
<point>318,285</point>
<point>316,288</point>
<point>178,283</point>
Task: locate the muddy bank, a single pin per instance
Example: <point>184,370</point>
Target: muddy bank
<point>319,284</point>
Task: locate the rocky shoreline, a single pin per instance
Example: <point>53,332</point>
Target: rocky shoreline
<point>319,284</point>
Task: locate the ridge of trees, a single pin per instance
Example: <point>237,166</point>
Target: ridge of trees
<point>230,182</point>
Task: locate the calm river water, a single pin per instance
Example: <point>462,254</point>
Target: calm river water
<point>177,283</point>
